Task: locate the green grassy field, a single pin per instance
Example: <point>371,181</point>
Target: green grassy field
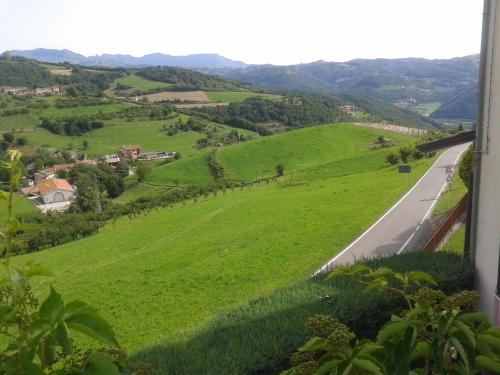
<point>53,112</point>
<point>181,266</point>
<point>192,170</point>
<point>139,83</point>
<point>31,120</point>
<point>455,243</point>
<point>308,152</point>
<point>236,96</point>
<point>117,133</point>
<point>21,207</point>
<point>426,108</point>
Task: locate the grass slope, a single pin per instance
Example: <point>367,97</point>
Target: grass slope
<point>139,83</point>
<point>194,170</point>
<point>237,96</point>
<point>308,151</point>
<point>181,266</point>
<point>117,133</point>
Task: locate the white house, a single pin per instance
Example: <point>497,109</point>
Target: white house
<point>56,190</point>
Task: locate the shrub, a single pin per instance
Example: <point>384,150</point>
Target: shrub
<point>142,171</point>
<point>259,337</point>
<point>416,154</point>
<point>465,167</point>
<point>280,169</point>
<point>392,158</point>
<point>404,153</point>
<point>21,141</point>
<point>438,334</point>
<point>8,137</point>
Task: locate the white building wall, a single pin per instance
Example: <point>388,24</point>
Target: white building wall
<point>51,197</point>
<point>488,205</point>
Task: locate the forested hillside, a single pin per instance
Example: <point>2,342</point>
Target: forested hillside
<point>184,79</point>
<point>383,111</point>
<point>302,110</point>
<point>16,71</point>
<point>463,106</point>
<point>387,79</point>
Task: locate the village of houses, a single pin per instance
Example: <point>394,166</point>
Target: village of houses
<point>48,192</point>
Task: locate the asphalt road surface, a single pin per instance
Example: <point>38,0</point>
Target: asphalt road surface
<point>406,225</point>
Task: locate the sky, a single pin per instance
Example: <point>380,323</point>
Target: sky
<point>278,32</point>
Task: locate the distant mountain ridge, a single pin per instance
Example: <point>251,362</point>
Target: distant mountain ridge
<point>404,81</point>
<point>197,61</point>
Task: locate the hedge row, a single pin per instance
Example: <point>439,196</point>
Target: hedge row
<point>259,337</point>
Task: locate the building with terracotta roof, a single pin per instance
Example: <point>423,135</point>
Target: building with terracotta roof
<point>51,172</point>
<point>131,152</point>
<point>54,190</point>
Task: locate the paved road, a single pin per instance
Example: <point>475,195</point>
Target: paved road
<point>406,225</point>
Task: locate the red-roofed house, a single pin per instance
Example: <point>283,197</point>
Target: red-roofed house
<point>54,190</point>
<point>131,152</point>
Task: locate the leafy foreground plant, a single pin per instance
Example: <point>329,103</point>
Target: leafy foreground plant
<point>35,337</point>
<point>438,334</point>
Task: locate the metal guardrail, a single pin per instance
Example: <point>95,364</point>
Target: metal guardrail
<point>445,227</point>
<point>453,140</point>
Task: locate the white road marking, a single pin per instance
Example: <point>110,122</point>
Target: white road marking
<point>431,208</point>
<point>324,267</point>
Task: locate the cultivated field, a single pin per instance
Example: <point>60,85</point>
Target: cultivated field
<point>184,96</point>
<point>237,96</point>
<point>139,83</point>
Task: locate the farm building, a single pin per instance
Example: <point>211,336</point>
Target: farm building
<point>56,190</point>
<point>157,155</point>
<point>51,195</point>
<point>51,172</point>
<point>130,152</point>
<point>348,109</point>
<point>112,160</point>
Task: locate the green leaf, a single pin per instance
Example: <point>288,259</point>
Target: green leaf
<point>466,330</point>
<point>487,364</point>
<point>492,341</point>
<point>369,348</point>
<point>382,272</point>
<point>53,307</point>
<point>360,269</point>
<point>94,326</point>
<point>473,317</point>
<point>38,328</point>
<point>35,269</point>
<point>77,307</point>
<point>99,364</point>
<point>3,195</point>
<point>61,335</point>
<point>327,367</point>
<point>421,350</point>
<point>369,366</point>
<point>419,276</point>
<point>5,312</point>
<point>390,330</point>
<point>316,343</point>
<point>376,284</point>
<point>463,354</point>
